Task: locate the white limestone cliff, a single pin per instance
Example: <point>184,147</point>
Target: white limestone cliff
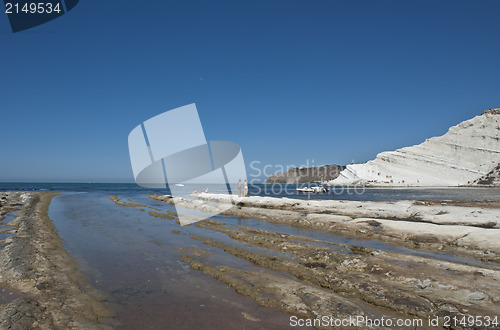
<point>467,152</point>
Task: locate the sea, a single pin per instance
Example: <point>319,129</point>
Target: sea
<point>378,194</point>
<point>134,259</point>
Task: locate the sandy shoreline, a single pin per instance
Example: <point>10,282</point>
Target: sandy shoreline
<point>52,293</point>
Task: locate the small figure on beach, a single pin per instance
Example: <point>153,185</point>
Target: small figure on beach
<point>245,192</point>
<point>206,191</point>
<point>195,191</point>
<point>239,188</point>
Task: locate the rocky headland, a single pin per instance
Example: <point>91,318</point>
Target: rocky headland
<point>468,153</point>
<point>305,175</point>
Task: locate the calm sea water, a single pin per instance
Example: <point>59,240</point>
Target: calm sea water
<point>282,190</point>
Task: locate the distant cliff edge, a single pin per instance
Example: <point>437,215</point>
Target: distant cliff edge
<point>469,153</point>
<point>304,175</point>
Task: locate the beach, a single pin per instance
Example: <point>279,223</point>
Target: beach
<point>127,262</point>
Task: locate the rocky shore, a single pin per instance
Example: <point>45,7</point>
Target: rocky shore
<point>310,277</point>
<point>49,291</point>
<point>448,268</point>
<point>471,229</point>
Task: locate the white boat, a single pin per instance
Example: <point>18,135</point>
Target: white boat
<point>314,190</point>
<point>305,189</point>
<point>179,185</point>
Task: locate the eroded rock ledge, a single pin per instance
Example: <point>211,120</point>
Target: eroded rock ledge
<point>463,230</point>
<point>54,294</point>
<point>331,278</point>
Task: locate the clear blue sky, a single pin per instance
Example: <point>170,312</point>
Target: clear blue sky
<point>329,81</point>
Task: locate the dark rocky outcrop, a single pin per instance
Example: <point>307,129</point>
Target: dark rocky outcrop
<point>492,178</point>
<point>304,175</point>
<point>495,111</point>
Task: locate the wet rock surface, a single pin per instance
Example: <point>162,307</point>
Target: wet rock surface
<point>52,293</point>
